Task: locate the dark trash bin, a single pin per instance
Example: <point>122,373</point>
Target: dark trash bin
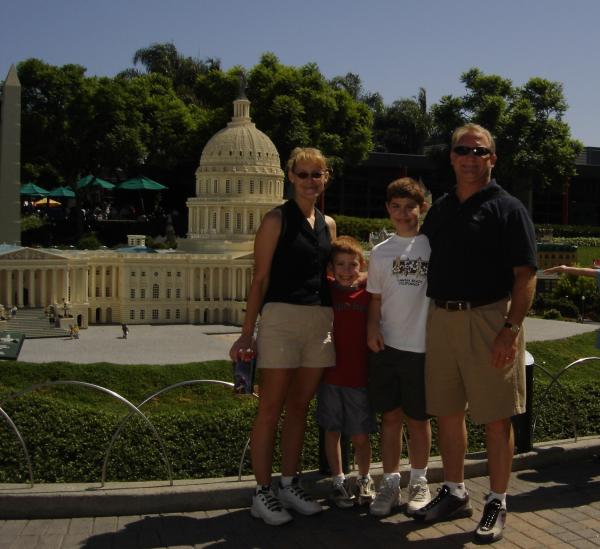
<point>522,423</point>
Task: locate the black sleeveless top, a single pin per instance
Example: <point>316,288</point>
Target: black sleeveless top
<point>299,267</point>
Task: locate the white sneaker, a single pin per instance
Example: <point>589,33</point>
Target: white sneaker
<point>341,495</point>
<point>294,497</point>
<point>387,497</point>
<point>418,496</point>
<point>267,507</point>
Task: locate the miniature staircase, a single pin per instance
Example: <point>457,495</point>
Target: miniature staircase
<point>33,323</point>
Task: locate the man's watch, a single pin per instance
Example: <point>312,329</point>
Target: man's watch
<point>514,328</point>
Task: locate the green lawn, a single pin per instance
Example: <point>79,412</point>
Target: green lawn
<point>586,255</point>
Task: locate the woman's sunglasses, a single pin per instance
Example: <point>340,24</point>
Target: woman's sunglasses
<point>312,175</point>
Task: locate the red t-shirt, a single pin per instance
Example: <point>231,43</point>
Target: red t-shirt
<point>350,307</point>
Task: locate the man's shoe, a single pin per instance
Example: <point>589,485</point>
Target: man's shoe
<point>387,497</point>
<point>294,497</point>
<point>492,522</point>
<point>341,496</point>
<point>418,496</point>
<point>268,508</point>
<point>365,490</point>
<point>444,506</point>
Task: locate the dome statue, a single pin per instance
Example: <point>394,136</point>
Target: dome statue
<point>238,180</point>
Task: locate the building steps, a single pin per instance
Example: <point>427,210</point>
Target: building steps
<point>33,323</point>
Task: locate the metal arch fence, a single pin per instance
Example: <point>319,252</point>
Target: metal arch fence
<point>555,380</point>
<point>161,392</point>
<point>134,410</point>
<point>117,396</point>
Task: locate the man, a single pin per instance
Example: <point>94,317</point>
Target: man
<point>481,282</point>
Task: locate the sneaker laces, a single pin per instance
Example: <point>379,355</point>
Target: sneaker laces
<point>418,491</point>
<point>296,489</point>
<point>386,491</point>
<point>490,514</point>
<point>441,493</point>
<point>270,501</point>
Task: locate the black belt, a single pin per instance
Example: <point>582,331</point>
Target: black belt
<point>457,305</point>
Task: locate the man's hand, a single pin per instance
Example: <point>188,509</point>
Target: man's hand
<point>504,349</point>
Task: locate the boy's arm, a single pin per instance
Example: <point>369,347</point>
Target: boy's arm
<point>374,337</point>
<point>577,271</point>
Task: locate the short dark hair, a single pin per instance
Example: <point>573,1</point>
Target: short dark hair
<point>406,187</point>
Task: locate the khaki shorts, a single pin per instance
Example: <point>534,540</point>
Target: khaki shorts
<point>291,336</point>
<point>459,371</point>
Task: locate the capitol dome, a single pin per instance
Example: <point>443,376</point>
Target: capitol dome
<point>238,180</point>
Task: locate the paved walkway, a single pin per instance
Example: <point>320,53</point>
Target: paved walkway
<point>173,344</point>
<point>552,507</point>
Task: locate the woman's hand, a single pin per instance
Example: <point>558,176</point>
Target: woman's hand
<point>241,344</point>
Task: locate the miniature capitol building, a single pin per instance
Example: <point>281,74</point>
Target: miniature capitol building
<point>205,281</point>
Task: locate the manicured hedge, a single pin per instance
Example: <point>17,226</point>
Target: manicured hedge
<point>67,441</point>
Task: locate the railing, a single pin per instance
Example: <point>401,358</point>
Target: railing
<point>134,411</point>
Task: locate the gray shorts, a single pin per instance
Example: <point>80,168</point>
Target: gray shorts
<point>345,410</point>
<point>397,380</point>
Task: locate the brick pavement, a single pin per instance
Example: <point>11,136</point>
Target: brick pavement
<point>552,507</point>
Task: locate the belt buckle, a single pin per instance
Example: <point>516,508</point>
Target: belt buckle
<point>458,305</point>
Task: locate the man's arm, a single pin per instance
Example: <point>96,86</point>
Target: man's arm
<point>577,271</point>
<point>504,349</point>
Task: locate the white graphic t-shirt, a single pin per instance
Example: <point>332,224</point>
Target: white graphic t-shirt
<point>398,272</point>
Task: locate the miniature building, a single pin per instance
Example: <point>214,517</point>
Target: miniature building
<point>205,281</point>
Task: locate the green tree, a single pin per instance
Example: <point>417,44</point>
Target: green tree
<point>534,144</point>
<point>163,58</point>
<point>404,126</point>
<point>297,106</point>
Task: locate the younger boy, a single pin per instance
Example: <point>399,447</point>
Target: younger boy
<point>396,335</point>
<point>342,404</point>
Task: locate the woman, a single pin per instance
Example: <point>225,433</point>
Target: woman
<point>294,342</point>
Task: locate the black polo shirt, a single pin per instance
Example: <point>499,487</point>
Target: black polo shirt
<point>475,245</point>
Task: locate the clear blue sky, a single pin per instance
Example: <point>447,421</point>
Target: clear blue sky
<point>396,46</point>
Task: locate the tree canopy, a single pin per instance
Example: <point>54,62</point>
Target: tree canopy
<point>155,118</point>
<point>534,144</point>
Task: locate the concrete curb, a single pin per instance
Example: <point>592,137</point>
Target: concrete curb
<point>19,501</point>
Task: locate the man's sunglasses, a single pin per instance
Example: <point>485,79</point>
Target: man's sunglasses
<point>312,175</point>
<point>462,150</point>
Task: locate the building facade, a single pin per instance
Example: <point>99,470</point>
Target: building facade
<point>206,280</point>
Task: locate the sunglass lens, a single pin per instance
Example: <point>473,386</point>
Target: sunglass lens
<point>461,151</point>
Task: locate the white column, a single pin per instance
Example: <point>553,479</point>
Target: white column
<point>103,281</point>
<point>19,288</point>
<point>211,277</point>
<point>65,284</point>
<point>43,297</point>
<point>92,293</point>
<point>9,300</point>
<point>113,281</point>
<point>86,284</point>
<point>206,220</point>
<point>32,287</point>
<point>53,283</point>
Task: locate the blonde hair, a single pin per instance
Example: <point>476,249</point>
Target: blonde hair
<point>406,187</point>
<point>473,128</point>
<point>347,245</point>
<point>307,154</point>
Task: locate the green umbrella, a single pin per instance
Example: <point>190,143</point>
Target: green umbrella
<point>93,181</point>
<point>141,183</point>
<point>62,192</point>
<point>31,189</point>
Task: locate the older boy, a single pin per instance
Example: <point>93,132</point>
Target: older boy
<point>396,335</point>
